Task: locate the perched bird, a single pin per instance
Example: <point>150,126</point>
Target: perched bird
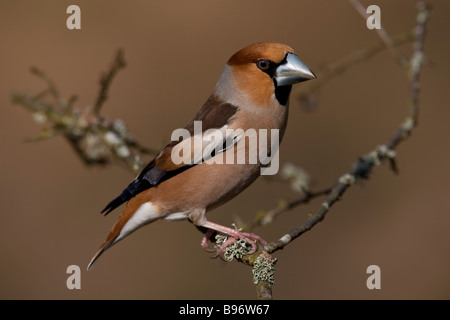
<point>252,93</point>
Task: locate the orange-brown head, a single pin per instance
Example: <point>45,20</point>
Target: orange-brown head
<point>265,71</point>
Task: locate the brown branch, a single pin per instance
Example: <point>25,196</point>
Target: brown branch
<point>366,163</point>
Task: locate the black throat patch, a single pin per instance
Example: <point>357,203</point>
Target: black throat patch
<point>282,93</point>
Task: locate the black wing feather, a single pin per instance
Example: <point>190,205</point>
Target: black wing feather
<point>135,187</point>
<point>214,114</point>
<point>147,179</point>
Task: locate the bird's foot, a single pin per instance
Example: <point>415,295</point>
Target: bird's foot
<point>207,240</point>
<point>232,244</point>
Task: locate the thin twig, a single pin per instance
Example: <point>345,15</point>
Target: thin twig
<point>51,86</point>
<point>106,80</point>
<point>264,218</point>
<point>416,62</point>
<point>384,36</point>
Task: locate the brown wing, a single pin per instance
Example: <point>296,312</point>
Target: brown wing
<point>214,114</point>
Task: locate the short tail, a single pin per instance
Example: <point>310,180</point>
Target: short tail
<point>135,215</point>
<point>112,238</point>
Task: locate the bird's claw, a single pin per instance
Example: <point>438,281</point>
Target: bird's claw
<point>220,250</point>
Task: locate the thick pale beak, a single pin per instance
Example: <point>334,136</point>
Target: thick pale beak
<point>293,71</point>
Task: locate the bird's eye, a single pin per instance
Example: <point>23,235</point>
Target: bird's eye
<point>263,64</point>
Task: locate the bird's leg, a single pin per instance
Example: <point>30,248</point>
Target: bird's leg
<point>234,235</point>
<point>234,232</point>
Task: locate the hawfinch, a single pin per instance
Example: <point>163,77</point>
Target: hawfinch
<point>211,162</point>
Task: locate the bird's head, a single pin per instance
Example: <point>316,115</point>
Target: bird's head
<point>266,71</point>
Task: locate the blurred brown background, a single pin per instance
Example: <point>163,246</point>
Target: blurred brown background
<point>175,52</point>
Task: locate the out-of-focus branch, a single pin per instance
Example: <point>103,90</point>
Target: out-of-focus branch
<point>384,36</point>
<point>334,69</point>
<point>95,139</point>
<point>106,79</point>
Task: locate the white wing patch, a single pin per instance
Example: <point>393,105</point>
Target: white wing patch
<point>203,146</point>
